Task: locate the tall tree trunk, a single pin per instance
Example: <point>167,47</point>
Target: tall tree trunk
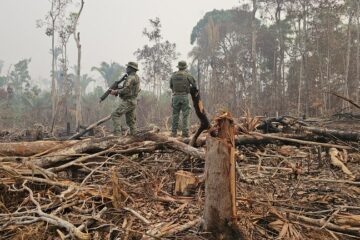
<point>78,118</point>
<point>304,59</point>
<point>328,98</point>
<point>78,73</point>
<point>67,85</point>
<point>53,83</point>
<point>255,93</point>
<point>275,85</point>
<point>357,96</point>
<point>300,72</point>
<point>280,85</point>
<point>199,75</point>
<point>347,64</point>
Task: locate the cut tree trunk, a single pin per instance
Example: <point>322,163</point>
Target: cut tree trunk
<point>220,195</point>
<point>184,181</point>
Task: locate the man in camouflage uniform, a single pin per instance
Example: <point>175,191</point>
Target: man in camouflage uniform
<point>180,83</point>
<point>128,94</point>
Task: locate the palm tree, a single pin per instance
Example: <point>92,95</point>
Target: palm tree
<point>85,80</point>
<point>110,72</point>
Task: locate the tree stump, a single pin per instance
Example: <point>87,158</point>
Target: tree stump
<point>184,182</point>
<point>220,196</point>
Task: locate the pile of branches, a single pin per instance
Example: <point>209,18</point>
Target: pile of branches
<point>291,184</point>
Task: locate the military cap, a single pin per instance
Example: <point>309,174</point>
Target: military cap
<point>182,65</point>
<point>133,65</point>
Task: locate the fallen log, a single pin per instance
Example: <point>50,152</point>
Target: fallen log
<point>176,145</point>
<point>31,148</point>
<point>102,144</point>
<point>300,141</point>
<point>343,135</point>
<point>85,146</point>
<point>83,132</point>
<point>256,140</point>
<point>323,223</point>
<point>346,99</point>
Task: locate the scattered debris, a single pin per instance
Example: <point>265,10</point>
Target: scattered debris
<point>151,186</point>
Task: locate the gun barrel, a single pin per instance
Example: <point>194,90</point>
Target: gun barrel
<point>114,86</point>
<point>105,95</point>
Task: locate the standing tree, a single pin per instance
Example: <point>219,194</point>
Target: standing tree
<point>85,80</point>
<point>55,12</point>
<point>255,88</point>
<point>65,32</point>
<point>156,58</point>
<point>20,78</point>
<point>75,19</point>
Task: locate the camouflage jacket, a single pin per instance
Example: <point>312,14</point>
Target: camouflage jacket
<point>180,82</point>
<point>131,87</point>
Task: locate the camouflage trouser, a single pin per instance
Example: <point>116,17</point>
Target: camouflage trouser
<point>180,103</point>
<point>126,107</point>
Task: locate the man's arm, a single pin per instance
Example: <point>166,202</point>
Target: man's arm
<point>126,90</point>
<point>171,84</point>
<point>192,81</point>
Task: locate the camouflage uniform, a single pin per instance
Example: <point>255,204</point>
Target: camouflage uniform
<point>180,83</point>
<point>128,95</point>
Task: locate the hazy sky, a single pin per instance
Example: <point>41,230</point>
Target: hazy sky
<point>111,30</point>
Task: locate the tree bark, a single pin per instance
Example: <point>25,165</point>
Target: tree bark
<point>66,151</point>
<point>220,195</point>
<point>305,59</point>
<point>77,83</point>
<point>85,146</point>
<point>357,96</point>
<point>300,72</point>
<point>92,126</point>
<point>53,83</point>
<point>343,135</point>
<point>25,149</point>
<point>347,65</point>
<point>254,57</point>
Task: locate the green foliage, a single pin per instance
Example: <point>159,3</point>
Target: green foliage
<point>19,77</point>
<point>157,57</point>
<point>85,80</point>
<point>220,17</point>
<point>110,71</point>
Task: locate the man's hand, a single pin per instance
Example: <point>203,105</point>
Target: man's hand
<point>114,92</point>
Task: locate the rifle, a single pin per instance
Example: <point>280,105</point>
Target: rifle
<point>114,86</point>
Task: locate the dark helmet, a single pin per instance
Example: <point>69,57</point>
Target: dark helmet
<point>133,65</point>
<point>182,65</point>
